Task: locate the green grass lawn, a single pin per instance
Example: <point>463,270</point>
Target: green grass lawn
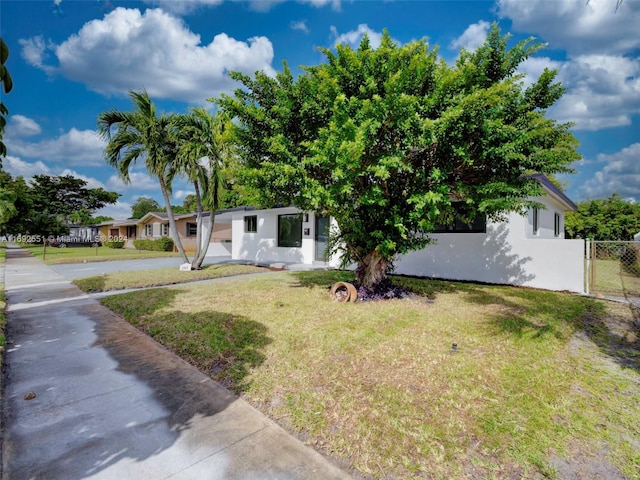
<point>609,277</point>
<point>55,256</point>
<point>537,375</point>
<point>161,276</point>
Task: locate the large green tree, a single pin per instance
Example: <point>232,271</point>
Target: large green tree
<point>387,139</point>
<point>47,204</point>
<point>141,134</point>
<point>144,205</point>
<point>611,218</point>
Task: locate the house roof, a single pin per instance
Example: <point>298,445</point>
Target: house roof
<point>554,191</point>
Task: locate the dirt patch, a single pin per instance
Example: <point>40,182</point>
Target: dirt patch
<point>583,467</point>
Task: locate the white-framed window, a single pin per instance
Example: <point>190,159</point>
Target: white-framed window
<point>535,220</point>
<point>165,229</point>
<point>192,229</point>
<point>251,223</point>
<point>148,230</point>
<point>556,225</point>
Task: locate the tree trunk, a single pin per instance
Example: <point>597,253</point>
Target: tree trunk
<point>372,270</point>
<point>203,250</point>
<point>172,220</point>
<point>195,265</point>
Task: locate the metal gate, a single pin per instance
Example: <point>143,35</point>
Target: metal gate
<point>613,269</point>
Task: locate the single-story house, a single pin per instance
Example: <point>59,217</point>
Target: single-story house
<point>522,250</point>
<point>155,225</point>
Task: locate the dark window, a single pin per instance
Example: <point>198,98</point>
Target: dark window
<point>556,225</point>
<point>290,230</point>
<point>536,221</point>
<point>192,229</point>
<point>251,223</point>
<point>477,225</point>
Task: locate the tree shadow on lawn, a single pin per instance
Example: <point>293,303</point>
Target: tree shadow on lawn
<point>521,311</point>
<point>419,286</point>
<point>537,313</point>
<point>222,345</point>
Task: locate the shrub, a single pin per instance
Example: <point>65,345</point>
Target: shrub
<point>114,243</point>
<point>163,244</point>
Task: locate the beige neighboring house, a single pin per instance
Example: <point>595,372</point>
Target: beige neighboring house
<point>155,225</point>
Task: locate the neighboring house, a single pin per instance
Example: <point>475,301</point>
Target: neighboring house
<point>523,250</point>
<point>85,232</point>
<point>155,225</point>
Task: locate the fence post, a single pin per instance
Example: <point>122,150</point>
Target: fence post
<point>588,266</point>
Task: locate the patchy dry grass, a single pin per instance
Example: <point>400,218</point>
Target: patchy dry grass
<point>55,256</point>
<point>160,276</point>
<point>533,381</point>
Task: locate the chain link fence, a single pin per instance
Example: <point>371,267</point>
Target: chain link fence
<point>614,269</point>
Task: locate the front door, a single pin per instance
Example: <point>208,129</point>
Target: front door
<point>322,238</point>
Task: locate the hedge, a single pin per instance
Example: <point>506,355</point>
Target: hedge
<point>163,244</point>
<point>114,244</point>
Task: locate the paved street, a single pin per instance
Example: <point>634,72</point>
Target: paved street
<point>87,396</point>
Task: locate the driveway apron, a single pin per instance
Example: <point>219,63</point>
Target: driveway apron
<point>110,403</point>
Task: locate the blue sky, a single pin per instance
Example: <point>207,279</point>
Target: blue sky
<point>72,60</point>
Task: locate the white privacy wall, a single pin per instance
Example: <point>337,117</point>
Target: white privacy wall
<point>505,254</point>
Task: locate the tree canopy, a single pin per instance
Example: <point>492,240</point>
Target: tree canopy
<point>47,204</point>
<point>144,205</point>
<point>387,140</point>
<point>610,218</point>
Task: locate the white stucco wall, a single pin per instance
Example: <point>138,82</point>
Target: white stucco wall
<point>546,219</point>
<point>508,253</point>
<point>262,246</point>
<point>505,254</point>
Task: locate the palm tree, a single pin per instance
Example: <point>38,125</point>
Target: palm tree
<point>202,148</point>
<point>141,134</point>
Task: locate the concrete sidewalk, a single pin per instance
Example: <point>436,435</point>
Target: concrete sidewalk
<point>113,404</point>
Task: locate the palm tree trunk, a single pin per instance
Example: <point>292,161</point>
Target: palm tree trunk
<point>203,251</point>
<point>172,220</point>
<point>195,265</point>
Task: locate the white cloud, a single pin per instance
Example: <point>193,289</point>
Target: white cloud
<point>183,7</point>
<point>533,67</point>
<point>620,175</point>
<point>34,52</point>
<point>129,50</point>
<point>300,25</point>
<point>473,36</point>
<point>75,147</point>
<point>118,211</point>
<point>335,4</point>
<point>19,168</point>
<point>21,126</point>
<point>91,182</point>
<point>576,25</point>
<point>266,5</point>
<point>180,194</point>
<point>603,91</point>
<point>354,37</point>
<point>139,181</point>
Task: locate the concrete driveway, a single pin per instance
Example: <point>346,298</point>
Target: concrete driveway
<point>72,271</point>
<point>87,396</point>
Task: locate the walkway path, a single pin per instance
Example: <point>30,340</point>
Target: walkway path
<point>110,403</point>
